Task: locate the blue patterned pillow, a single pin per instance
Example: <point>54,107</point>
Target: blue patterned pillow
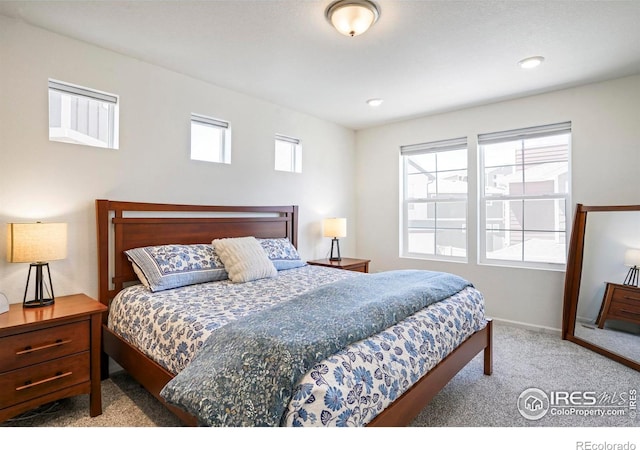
<point>282,253</point>
<point>170,266</point>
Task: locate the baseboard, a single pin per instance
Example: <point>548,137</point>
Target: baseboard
<point>527,326</point>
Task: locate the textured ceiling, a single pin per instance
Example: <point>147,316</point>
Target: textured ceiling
<point>421,57</point>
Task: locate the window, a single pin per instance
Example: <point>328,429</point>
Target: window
<point>434,212</point>
<point>524,196</point>
<point>210,139</point>
<point>288,154</point>
<point>80,115</point>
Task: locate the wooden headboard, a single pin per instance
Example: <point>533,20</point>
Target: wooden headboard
<point>125,225</point>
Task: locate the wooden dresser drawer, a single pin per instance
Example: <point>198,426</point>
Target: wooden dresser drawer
<point>21,350</point>
<point>625,310</point>
<point>624,295</point>
<point>31,382</point>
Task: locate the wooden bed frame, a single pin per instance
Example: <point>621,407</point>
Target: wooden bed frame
<point>125,225</point>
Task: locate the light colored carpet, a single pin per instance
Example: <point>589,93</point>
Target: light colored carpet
<point>617,341</point>
<point>527,359</point>
<point>522,359</point>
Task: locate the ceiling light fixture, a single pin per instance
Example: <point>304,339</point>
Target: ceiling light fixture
<point>352,17</point>
<point>374,102</point>
<point>530,63</point>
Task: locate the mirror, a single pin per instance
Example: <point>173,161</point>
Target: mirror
<point>601,300</point>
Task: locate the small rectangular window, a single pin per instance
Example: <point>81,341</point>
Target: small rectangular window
<point>288,154</point>
<point>524,196</point>
<point>80,115</point>
<point>434,213</point>
<point>210,139</point>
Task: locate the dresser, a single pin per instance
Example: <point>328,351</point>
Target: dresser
<point>620,302</point>
<point>50,353</point>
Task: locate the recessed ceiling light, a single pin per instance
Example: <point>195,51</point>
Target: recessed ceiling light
<point>530,63</point>
<point>374,102</point>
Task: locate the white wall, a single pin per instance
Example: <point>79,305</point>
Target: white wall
<point>605,170</point>
<point>52,181</point>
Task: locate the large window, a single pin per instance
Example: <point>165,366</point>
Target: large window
<point>288,154</point>
<point>524,196</point>
<point>434,212</point>
<point>210,139</point>
<point>80,115</point>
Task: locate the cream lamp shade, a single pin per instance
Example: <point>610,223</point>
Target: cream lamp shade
<point>335,227</point>
<point>352,17</point>
<point>36,242</point>
<point>632,257</point>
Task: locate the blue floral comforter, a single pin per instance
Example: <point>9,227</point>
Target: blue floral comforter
<point>246,372</point>
<point>348,388</point>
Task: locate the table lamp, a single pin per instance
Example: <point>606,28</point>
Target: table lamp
<point>335,228</point>
<point>632,259</point>
<point>36,244</point>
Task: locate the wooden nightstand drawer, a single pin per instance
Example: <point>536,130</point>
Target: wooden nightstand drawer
<point>620,302</point>
<point>353,264</point>
<point>625,311</point>
<point>21,350</point>
<point>31,382</point>
<point>626,295</point>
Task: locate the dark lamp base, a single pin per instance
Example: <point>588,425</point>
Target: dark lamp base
<point>40,287</point>
<point>335,245</point>
<point>38,303</point>
<point>632,277</point>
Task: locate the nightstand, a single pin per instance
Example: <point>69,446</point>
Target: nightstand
<point>354,264</point>
<point>50,353</point>
<point>620,302</point>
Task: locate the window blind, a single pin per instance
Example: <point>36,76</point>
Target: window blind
<point>284,138</point>
<point>436,146</point>
<point>524,133</point>
<point>84,92</point>
<point>209,121</point>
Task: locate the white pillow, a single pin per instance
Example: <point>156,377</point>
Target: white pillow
<point>244,259</point>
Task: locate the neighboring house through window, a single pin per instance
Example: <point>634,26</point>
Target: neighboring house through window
<point>524,196</point>
<point>81,115</point>
<point>434,209</point>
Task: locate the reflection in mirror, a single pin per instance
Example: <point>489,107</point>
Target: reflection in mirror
<point>602,307</point>
<point>608,235</point>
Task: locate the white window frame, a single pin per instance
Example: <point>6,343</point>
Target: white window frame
<point>430,147</point>
<point>511,136</point>
<point>66,133</point>
<point>295,154</point>
<point>221,154</point>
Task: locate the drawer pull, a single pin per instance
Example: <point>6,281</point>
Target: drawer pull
<point>29,349</point>
<point>29,384</point>
<point>628,297</point>
<point>626,311</point>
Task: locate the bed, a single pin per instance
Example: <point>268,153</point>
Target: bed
<point>383,379</point>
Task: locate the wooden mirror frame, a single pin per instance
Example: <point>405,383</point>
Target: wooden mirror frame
<point>573,278</point>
